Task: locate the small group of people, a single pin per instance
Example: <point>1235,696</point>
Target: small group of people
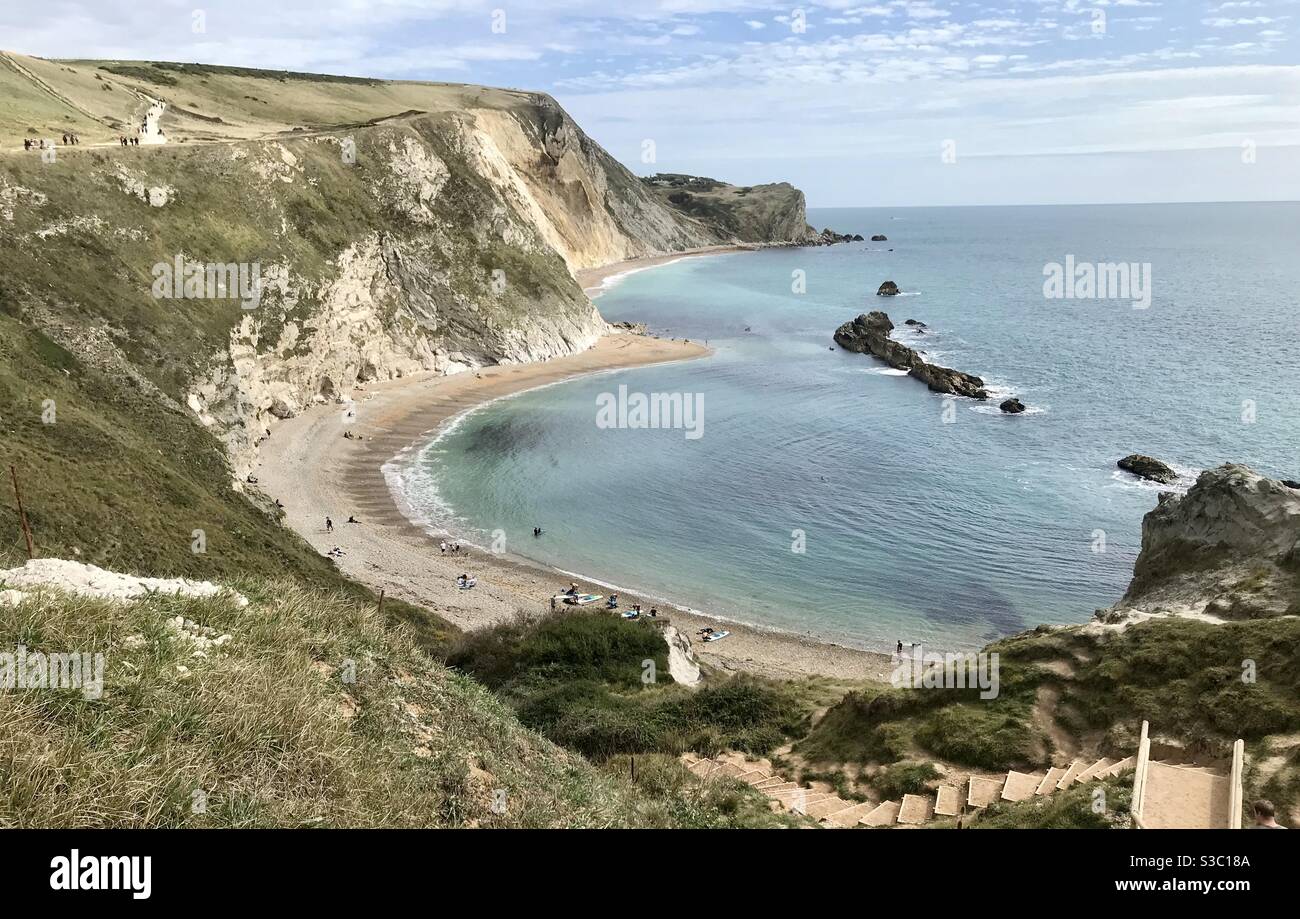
<point>128,141</point>
<point>348,435</point>
<point>537,531</point>
<point>636,613</point>
<point>329,524</point>
<point>465,582</point>
<point>69,140</point>
<point>453,547</point>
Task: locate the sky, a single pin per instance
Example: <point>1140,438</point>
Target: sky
<point>883,103</point>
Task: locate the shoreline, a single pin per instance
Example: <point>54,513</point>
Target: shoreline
<point>316,472</point>
<point>595,281</point>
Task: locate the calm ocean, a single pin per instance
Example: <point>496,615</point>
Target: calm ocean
<point>917,521</point>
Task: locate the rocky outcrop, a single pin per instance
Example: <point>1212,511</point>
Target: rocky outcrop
<point>1228,549</point>
<point>829,237</point>
<point>1012,407</point>
<point>1147,467</point>
<point>869,334</point>
<point>773,214</point>
<point>880,238</point>
<point>888,289</point>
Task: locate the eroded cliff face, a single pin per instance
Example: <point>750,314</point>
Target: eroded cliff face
<point>1228,549</point>
<point>421,243</point>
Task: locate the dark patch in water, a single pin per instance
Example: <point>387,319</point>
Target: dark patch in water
<point>503,435</point>
<point>980,602</point>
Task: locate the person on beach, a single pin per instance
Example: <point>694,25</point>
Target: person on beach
<point>900,647</point>
<point>329,525</point>
<point>612,602</point>
<point>653,612</point>
<point>352,519</point>
<point>537,531</point>
<point>442,547</point>
<point>573,589</point>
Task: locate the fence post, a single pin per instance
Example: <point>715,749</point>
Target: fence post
<point>22,514</point>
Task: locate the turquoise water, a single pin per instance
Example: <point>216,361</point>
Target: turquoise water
<point>915,528</point>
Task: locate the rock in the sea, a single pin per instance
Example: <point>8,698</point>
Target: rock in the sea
<point>888,289</point>
<point>869,334</point>
<point>829,237</point>
<point>1226,548</point>
<point>916,322</point>
<point>1291,483</point>
<point>880,238</point>
<point>1012,406</point>
<point>1147,467</point>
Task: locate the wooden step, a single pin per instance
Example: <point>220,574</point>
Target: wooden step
<point>1092,771</point>
<point>983,791</point>
<point>1071,773</point>
<point>1048,784</point>
<point>731,769</point>
<point>883,814</point>
<point>947,802</point>
<point>771,781</point>
<point>849,816</point>
<point>799,804</point>
<point>777,789</point>
<point>701,767</point>
<point>753,777</point>
<point>1019,786</point>
<point>915,809</point>
<point>1127,764</point>
<point>826,806</point>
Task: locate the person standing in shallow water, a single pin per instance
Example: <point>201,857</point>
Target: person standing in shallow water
<point>329,525</point>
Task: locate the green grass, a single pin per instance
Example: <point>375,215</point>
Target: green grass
<point>1185,677</point>
<point>884,725</point>
<point>583,679</point>
<point>315,713</point>
<point>904,779</point>
<point>1091,806</point>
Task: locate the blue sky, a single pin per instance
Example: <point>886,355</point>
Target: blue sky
<point>1033,101</point>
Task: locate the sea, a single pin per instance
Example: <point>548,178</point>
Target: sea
<point>817,491</point>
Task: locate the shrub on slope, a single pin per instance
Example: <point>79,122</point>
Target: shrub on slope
<point>578,678</point>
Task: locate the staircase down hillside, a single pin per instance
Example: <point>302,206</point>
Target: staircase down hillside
<point>949,800</point>
<point>1170,795</point>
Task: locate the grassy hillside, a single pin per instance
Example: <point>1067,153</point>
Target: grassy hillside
<point>600,685</point>
<point>751,213</point>
<point>313,713</point>
<point>100,99</point>
<point>1184,677</point>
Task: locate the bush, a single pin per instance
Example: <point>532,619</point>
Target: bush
<point>904,779</point>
